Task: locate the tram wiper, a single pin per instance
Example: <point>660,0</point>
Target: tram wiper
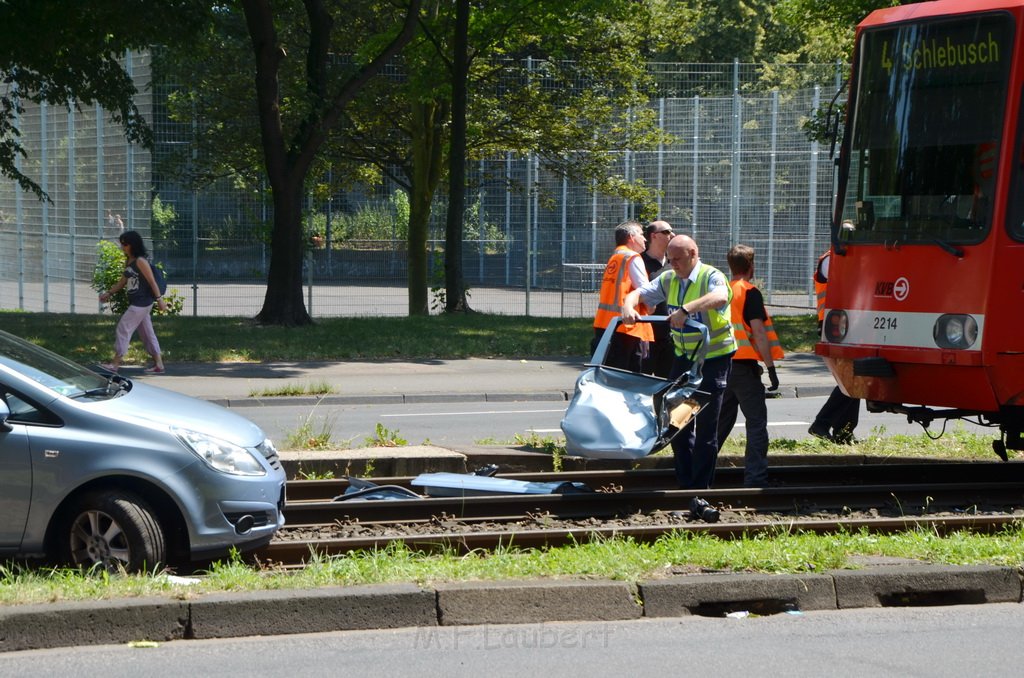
<point>957,252</point>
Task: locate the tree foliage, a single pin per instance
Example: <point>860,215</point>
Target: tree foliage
<point>564,81</point>
<point>299,91</point>
<point>270,84</point>
<point>69,53</point>
<point>820,31</point>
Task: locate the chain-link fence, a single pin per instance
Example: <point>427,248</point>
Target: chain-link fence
<point>740,169</point>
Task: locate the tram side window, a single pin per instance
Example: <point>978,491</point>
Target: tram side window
<point>1015,201</point>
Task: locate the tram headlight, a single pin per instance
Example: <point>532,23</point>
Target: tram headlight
<point>955,330</point>
<point>835,326</point>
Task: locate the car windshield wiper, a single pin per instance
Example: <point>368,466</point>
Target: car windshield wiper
<point>112,389</point>
<point>93,392</point>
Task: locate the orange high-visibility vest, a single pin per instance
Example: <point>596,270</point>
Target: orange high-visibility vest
<point>615,285</point>
<point>745,347</point>
<point>820,285</point>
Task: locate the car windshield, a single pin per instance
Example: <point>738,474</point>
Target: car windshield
<point>49,369</point>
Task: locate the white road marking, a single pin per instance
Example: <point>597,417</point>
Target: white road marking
<point>461,414</point>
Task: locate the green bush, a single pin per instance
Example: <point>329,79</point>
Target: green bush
<point>375,221</point>
<point>164,218</point>
<point>110,262</point>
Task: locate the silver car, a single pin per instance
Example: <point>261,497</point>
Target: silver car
<point>102,470</point>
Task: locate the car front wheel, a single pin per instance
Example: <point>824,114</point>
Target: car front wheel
<point>113,530</point>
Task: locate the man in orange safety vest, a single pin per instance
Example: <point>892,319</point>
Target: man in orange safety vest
<point>623,273</point>
<point>756,343</point>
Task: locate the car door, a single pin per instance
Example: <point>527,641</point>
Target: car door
<point>15,476</point>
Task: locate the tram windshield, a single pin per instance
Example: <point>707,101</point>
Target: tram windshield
<point>925,131</point>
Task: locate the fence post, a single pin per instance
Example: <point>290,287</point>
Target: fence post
<point>309,281</point>
<point>482,222</point>
<point>129,181</point>
<point>71,210</point>
<point>771,193</point>
<point>19,210</point>
<point>195,220</point>
<point>661,152</point>
<point>508,216</point>
<point>100,174</point>
<point>812,204</point>
<point>565,219</point>
<point>44,163</point>
<point>734,175</point>
<point>529,233</point>
<point>696,166</point>
<point>536,222</point>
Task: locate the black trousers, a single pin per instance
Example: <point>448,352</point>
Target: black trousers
<point>840,414</point>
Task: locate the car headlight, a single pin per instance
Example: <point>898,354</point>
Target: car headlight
<point>955,331</point>
<point>220,455</point>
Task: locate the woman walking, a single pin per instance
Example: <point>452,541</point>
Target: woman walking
<point>143,291</point>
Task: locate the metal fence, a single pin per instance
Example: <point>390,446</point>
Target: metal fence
<point>740,170</point>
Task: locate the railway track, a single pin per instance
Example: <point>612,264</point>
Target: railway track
<point>640,505</point>
<point>664,479</point>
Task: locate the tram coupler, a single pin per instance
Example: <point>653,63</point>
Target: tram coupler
<point>920,414</point>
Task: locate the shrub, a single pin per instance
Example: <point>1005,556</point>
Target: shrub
<point>110,263</point>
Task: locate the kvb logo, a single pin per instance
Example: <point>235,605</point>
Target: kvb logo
<point>897,289</point>
<point>900,289</point>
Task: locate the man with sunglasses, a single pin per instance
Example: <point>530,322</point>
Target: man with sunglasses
<point>660,354</point>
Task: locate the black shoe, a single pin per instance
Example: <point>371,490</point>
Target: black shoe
<point>821,431</point>
<point>844,437</point>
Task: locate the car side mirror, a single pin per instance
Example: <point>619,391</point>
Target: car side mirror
<point>4,413</point>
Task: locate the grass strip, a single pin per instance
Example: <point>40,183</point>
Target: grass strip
<point>615,559</point>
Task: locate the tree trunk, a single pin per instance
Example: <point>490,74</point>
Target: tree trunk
<point>455,287</point>
<point>287,164</point>
<point>428,118</point>
<point>283,303</point>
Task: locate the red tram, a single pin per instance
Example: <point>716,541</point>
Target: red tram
<point>925,303</point>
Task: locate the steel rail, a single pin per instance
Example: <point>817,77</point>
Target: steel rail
<point>285,553</point>
<point>725,477</point>
<point>901,498</point>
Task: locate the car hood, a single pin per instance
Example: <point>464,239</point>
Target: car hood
<point>160,406</point>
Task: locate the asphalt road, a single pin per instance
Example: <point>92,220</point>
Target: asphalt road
<point>934,641</point>
<point>457,424</point>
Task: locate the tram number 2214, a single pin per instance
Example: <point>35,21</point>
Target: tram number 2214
<point>884,322</point>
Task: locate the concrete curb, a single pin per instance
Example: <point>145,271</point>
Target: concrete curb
<point>533,602</point>
<point>721,593</point>
<point>502,602</point>
<point>891,586</point>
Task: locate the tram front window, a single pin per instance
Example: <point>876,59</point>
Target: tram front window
<point>926,118</point>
